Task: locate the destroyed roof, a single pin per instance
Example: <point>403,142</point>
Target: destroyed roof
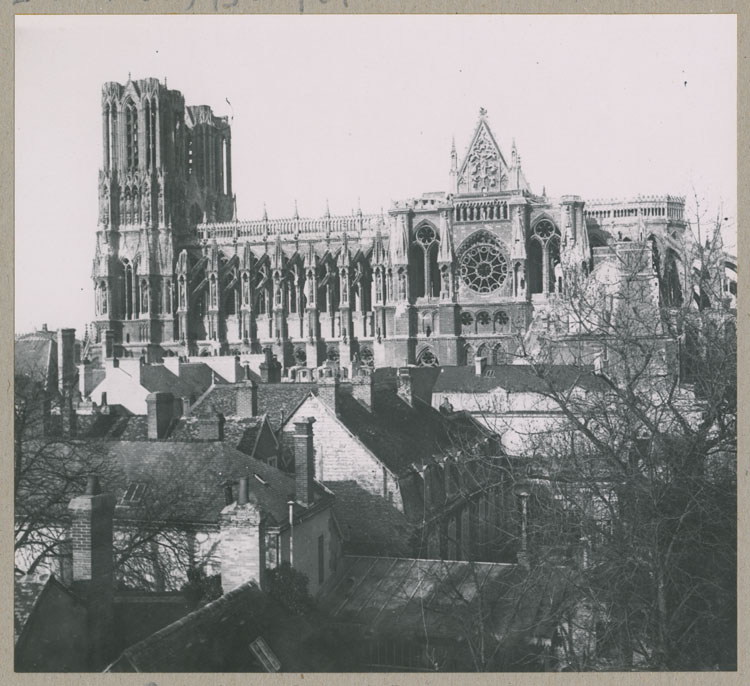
<point>217,638</point>
<point>407,598</point>
<point>515,378</point>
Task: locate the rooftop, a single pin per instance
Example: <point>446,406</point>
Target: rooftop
<point>217,638</point>
<point>412,597</point>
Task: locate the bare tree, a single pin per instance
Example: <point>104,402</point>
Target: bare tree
<point>154,540</point>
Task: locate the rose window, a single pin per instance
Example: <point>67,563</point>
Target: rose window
<point>484,268</point>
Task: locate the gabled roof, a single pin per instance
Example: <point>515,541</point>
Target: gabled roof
<point>277,400</point>
<point>514,378</point>
<point>412,597</point>
<point>34,356</point>
<point>399,434</point>
<point>28,592</point>
<point>217,638</point>
<point>192,380</point>
<point>186,479</point>
<point>482,143</point>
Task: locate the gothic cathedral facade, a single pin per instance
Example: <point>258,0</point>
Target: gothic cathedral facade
<point>437,279</point>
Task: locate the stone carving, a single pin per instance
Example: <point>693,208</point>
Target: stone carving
<point>483,164</point>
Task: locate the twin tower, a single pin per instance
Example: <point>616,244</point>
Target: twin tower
<point>437,279</point>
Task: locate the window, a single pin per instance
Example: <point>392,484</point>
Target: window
<point>427,358</point>
<point>134,494</point>
<point>484,266</point>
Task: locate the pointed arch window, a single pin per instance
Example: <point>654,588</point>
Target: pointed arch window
<point>131,135</point>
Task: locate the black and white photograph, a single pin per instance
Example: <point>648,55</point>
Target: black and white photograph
<point>375,343</point>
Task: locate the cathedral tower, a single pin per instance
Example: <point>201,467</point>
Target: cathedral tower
<point>165,168</point>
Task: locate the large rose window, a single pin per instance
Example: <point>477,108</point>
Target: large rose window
<point>484,267</point>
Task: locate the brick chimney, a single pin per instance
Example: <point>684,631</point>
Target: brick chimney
<point>160,411</point>
<point>247,399</point>
<point>362,385</point>
<point>93,577</point>
<point>328,389</point>
<point>304,460</point>
<point>404,386</point>
<point>242,544</point>
<point>66,359</point>
<point>210,428</point>
<point>270,368</point>
<point>68,416</point>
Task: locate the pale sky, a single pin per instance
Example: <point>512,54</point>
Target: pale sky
<point>348,107</point>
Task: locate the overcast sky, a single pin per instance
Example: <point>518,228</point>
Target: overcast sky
<point>346,108</point>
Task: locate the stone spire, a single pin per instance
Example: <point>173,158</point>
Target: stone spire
<point>399,243</point>
<point>518,246</point>
<point>296,210</point>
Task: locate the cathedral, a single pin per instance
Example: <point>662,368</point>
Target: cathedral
<point>437,280</point>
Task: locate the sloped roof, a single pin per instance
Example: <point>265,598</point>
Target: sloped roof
<point>192,380</point>
<point>34,356</point>
<point>186,479</point>
<point>217,636</point>
<point>277,400</point>
<point>397,433</point>
<point>27,595</point>
<point>370,524</point>
<point>410,597</point>
<point>515,378</point>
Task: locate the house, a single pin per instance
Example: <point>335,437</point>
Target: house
<point>512,400</point>
<point>376,436</point>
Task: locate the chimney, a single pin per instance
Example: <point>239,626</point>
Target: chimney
<point>68,415</point>
<point>160,411</point>
<point>247,399</point>
<point>479,365</point>
<point>66,359</point>
<point>270,368</point>
<point>242,546</point>
<point>362,388</point>
<point>328,389</point>
<point>304,460</point>
<point>108,344</point>
<point>210,428</point>
<point>93,578</point>
<point>404,386</point>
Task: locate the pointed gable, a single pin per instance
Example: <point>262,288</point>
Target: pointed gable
<point>484,168</point>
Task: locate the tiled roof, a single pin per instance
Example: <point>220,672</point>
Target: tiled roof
<point>515,378</point>
<point>216,638</point>
<point>399,434</point>
<point>277,400</point>
<point>186,479</point>
<point>192,380</point>
<point>407,597</point>
<point>369,524</point>
<point>34,357</point>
